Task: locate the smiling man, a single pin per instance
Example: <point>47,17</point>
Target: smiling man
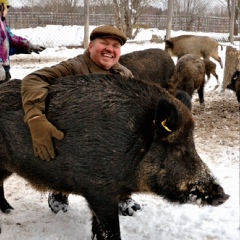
<point>102,56</point>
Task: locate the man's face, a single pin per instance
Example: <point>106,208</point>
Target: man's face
<point>105,52</point>
<point>5,11</point>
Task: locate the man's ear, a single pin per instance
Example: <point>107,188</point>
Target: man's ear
<point>166,118</point>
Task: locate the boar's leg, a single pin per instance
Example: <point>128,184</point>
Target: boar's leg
<point>217,58</point>
<point>4,205</point>
<point>58,201</point>
<point>103,234</point>
<point>220,62</point>
<point>216,76</point>
<point>127,206</point>
<point>105,221</point>
<point>200,94</point>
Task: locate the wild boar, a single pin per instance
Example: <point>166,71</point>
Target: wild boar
<point>152,65</point>
<point>235,85</point>
<point>210,68</point>
<point>121,136</point>
<point>189,75</point>
<point>202,46</point>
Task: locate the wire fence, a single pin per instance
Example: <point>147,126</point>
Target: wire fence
<point>20,18</point>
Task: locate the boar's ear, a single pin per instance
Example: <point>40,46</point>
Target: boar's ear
<point>236,75</point>
<point>184,97</point>
<point>168,44</point>
<point>166,117</point>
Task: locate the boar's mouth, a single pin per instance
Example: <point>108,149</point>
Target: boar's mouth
<point>214,197</point>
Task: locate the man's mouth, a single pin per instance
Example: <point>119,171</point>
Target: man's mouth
<point>107,55</point>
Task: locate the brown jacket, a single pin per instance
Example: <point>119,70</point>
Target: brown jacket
<point>35,85</point>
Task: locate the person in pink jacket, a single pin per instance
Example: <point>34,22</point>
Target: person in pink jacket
<point>11,44</point>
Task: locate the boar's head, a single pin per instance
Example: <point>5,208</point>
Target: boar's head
<point>169,46</point>
<point>172,168</point>
<point>235,82</point>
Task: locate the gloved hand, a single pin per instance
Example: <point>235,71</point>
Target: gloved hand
<point>35,48</point>
<point>2,73</point>
<point>42,132</point>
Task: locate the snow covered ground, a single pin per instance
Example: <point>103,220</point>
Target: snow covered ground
<point>217,138</point>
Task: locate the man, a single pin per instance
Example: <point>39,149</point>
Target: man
<point>102,56</point>
<point>11,44</point>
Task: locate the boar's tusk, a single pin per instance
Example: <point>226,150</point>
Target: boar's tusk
<point>163,124</point>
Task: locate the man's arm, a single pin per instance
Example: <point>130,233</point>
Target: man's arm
<point>34,90</point>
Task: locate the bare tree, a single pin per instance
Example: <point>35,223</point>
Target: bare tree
<point>231,25</point>
<point>233,8</point>
<point>169,19</point>
<point>190,8</point>
<point>32,4</point>
<point>236,21</point>
<point>86,24</point>
<point>127,12</point>
<point>56,6</point>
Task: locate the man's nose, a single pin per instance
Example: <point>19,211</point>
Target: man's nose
<point>109,48</point>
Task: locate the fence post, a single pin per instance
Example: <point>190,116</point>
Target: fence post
<point>169,19</point>
<point>232,64</point>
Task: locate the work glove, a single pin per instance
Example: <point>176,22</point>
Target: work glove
<point>35,48</point>
<point>42,132</point>
<point>2,73</point>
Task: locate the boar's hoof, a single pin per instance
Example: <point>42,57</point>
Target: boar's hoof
<point>128,206</point>
<point>218,201</point>
<point>5,206</point>
<point>58,202</point>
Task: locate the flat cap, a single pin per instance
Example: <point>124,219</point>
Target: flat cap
<point>108,31</point>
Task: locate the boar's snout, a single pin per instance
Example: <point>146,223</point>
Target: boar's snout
<point>220,200</point>
<point>218,196</point>
<point>213,195</point>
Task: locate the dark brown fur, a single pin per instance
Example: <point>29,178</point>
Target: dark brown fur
<point>189,75</point>
<point>210,67</point>
<point>121,136</point>
<point>153,65</point>
<point>235,85</point>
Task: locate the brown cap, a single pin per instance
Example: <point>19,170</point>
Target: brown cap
<point>108,31</point>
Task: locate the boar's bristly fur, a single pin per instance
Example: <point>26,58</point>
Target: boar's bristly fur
<point>210,67</point>
<point>151,65</point>
<point>121,136</point>
<point>235,85</point>
<point>189,75</point>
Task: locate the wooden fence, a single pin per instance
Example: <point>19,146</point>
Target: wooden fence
<point>18,20</point>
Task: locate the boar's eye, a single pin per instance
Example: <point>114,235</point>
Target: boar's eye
<point>181,152</point>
